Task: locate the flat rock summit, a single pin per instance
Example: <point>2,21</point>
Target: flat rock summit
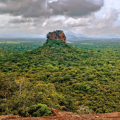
<point>58,35</point>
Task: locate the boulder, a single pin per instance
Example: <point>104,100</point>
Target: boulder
<point>64,108</point>
<point>56,112</point>
<point>58,35</point>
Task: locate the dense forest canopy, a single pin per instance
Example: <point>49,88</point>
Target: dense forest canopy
<point>58,74</point>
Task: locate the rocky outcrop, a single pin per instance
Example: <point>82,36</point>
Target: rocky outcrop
<point>58,35</point>
<point>59,115</point>
<point>56,112</point>
<point>64,108</point>
<point>9,117</point>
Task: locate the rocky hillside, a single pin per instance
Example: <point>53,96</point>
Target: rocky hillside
<point>58,35</point>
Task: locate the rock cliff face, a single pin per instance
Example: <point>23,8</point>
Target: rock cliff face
<point>58,35</point>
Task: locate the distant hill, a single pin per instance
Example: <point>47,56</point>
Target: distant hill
<point>77,36</point>
<point>74,36</point>
<point>109,36</point>
<point>56,49</point>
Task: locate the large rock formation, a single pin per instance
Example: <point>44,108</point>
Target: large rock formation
<point>58,35</point>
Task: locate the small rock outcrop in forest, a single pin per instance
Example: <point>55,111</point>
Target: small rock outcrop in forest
<point>58,35</point>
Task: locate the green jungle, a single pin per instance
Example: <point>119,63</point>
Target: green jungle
<point>53,74</point>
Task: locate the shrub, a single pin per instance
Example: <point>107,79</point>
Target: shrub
<point>83,87</point>
<point>84,110</point>
<point>39,110</point>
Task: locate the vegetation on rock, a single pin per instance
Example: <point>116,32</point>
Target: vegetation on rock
<point>58,35</point>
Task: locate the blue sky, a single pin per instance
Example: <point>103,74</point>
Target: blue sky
<point>22,18</point>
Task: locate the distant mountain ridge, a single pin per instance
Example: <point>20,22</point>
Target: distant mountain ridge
<point>109,36</point>
<point>77,36</point>
<point>71,35</point>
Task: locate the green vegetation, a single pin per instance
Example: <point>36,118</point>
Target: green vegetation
<point>84,110</point>
<point>39,110</point>
<point>57,74</point>
<point>15,46</point>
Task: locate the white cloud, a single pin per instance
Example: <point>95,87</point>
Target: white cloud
<point>66,21</point>
<point>105,21</point>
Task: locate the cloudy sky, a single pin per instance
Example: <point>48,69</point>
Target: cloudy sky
<point>37,17</point>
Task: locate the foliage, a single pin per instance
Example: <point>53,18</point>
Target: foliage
<point>39,110</point>
<point>57,74</point>
<point>84,110</point>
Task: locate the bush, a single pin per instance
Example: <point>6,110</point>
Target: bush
<point>83,87</point>
<point>84,110</point>
<point>39,110</point>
